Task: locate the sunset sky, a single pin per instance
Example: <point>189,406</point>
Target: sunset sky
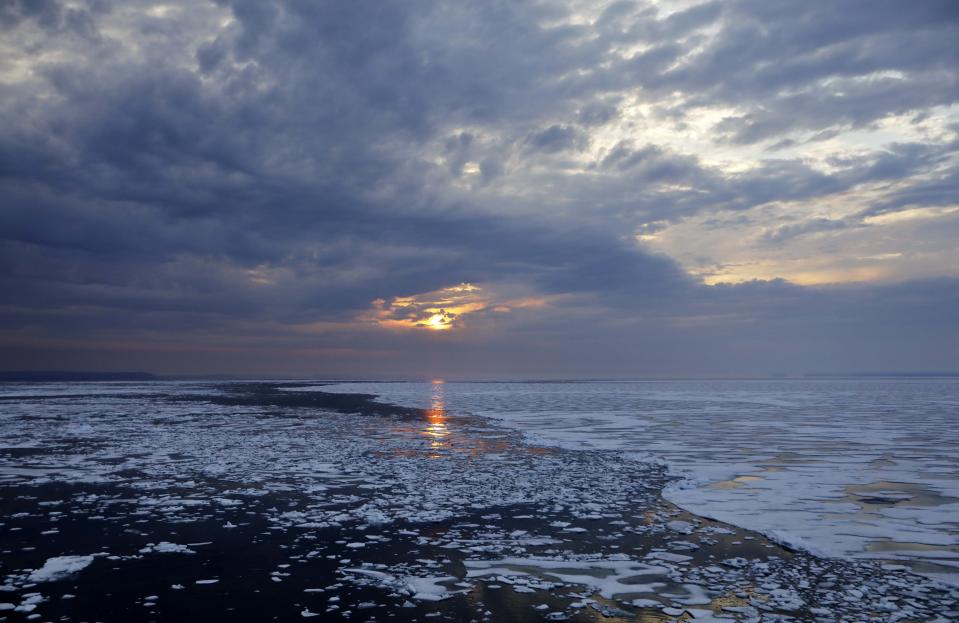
<point>479,189</point>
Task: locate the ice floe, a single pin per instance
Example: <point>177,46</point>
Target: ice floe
<point>60,567</point>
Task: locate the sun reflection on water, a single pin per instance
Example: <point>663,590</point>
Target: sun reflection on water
<point>436,428</point>
<point>443,433</point>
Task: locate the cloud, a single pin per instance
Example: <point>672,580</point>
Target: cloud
<point>250,169</point>
<point>788,232</point>
<point>557,138</point>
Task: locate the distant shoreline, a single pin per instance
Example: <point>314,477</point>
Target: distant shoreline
<point>72,376</point>
<point>48,376</point>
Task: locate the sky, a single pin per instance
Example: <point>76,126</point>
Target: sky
<point>415,189</point>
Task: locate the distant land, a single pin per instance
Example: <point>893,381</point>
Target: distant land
<point>62,376</point>
<point>53,376</point>
<point>882,374</point>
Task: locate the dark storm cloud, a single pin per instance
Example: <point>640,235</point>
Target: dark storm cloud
<point>171,172</point>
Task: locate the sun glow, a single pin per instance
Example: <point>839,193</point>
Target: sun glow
<point>439,322</point>
<point>444,309</point>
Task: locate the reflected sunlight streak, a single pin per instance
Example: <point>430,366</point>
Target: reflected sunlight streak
<point>436,428</point>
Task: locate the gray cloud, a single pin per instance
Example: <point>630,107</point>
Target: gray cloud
<point>171,174</point>
<point>812,226</point>
<point>557,138</point>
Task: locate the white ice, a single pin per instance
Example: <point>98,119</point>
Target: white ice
<point>60,567</point>
<point>836,467</point>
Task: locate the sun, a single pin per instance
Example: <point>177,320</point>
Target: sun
<point>445,309</point>
<point>438,322</point>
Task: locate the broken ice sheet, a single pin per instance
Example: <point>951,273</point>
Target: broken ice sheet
<point>359,477</point>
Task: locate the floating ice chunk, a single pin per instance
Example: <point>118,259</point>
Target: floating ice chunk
<point>372,515</point>
<point>669,557</point>
<point>164,547</point>
<point>305,613</point>
<point>60,567</point>
<point>607,576</point>
<point>788,599</point>
<point>422,588</point>
<point>429,588</point>
<point>706,616</point>
<point>680,526</point>
<point>735,563</point>
<point>29,602</point>
<point>689,595</point>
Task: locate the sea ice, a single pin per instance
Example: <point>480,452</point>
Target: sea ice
<point>831,467</point>
<point>60,567</point>
<point>164,547</point>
